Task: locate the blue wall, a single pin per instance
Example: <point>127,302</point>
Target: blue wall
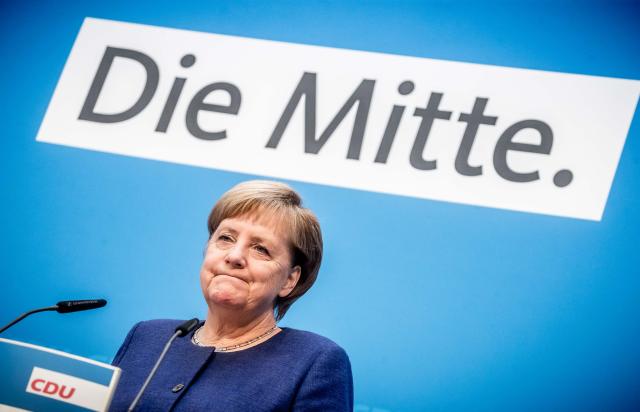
<point>440,306</point>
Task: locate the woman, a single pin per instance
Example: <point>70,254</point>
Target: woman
<point>263,253</point>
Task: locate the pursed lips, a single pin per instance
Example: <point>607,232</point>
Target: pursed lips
<point>231,276</point>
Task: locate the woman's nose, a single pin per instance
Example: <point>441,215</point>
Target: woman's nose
<point>235,257</point>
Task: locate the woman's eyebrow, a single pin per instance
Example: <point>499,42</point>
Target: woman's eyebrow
<point>259,239</point>
<point>228,229</point>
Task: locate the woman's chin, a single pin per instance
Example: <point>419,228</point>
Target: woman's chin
<point>225,298</point>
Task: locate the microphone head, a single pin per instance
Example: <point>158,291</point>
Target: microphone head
<point>67,306</point>
<point>187,327</point>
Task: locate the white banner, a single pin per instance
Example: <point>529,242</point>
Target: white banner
<point>501,137</point>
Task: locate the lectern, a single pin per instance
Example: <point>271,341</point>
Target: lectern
<point>35,378</point>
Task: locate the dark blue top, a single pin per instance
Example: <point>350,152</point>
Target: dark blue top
<point>294,370</point>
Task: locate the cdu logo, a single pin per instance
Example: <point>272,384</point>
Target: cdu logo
<point>67,388</point>
<point>51,388</point>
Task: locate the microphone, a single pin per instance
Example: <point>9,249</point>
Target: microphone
<point>187,327</point>
<point>182,330</point>
<point>65,306</point>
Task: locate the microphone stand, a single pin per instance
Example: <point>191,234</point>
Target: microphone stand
<point>24,315</point>
<point>181,330</point>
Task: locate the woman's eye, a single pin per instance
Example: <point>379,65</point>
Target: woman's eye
<point>225,238</point>
<point>262,250</point>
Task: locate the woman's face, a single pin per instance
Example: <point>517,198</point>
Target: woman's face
<point>247,264</point>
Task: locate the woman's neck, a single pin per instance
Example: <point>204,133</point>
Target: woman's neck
<point>227,329</point>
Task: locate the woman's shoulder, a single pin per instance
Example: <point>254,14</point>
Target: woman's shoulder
<point>152,330</point>
<point>306,336</point>
<point>159,327</point>
<point>148,337</point>
<point>163,324</point>
<point>309,341</point>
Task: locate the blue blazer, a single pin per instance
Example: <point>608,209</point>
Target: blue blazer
<point>294,370</point>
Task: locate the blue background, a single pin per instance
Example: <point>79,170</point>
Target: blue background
<point>440,306</point>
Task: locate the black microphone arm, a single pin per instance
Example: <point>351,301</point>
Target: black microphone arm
<point>65,306</point>
<point>182,330</point>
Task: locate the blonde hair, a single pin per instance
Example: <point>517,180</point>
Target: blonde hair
<point>277,201</point>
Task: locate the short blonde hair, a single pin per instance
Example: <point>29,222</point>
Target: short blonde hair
<point>280,202</point>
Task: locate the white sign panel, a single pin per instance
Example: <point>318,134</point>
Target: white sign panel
<point>69,389</point>
<point>501,137</point>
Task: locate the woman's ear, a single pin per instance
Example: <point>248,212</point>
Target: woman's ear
<point>290,282</point>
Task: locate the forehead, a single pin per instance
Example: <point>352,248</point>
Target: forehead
<point>265,224</point>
